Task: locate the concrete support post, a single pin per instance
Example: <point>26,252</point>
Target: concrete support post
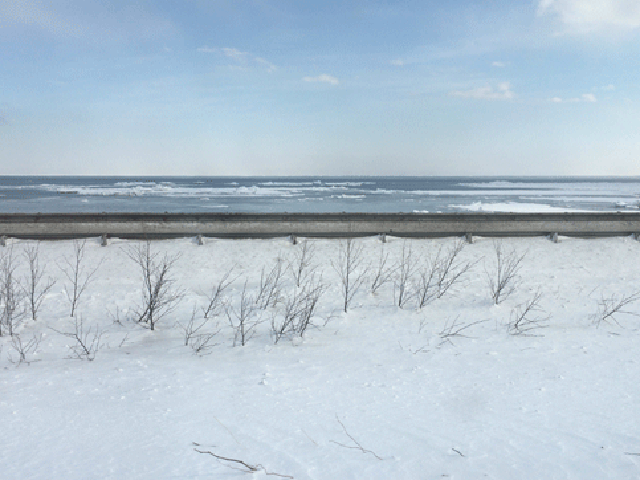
<point>294,239</point>
<point>554,237</point>
<point>3,241</point>
<point>383,237</point>
<point>468,237</point>
<point>199,239</point>
<point>104,240</point>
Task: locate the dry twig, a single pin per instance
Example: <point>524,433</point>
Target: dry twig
<point>357,444</point>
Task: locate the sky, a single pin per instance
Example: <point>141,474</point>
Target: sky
<point>266,87</point>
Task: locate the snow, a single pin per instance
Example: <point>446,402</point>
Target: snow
<point>512,207</point>
<point>561,404</point>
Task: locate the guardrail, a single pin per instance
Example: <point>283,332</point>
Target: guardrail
<point>260,225</point>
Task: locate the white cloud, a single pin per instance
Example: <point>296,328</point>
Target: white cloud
<point>322,78</point>
<point>609,88</point>
<point>206,49</point>
<point>234,53</point>
<point>581,16</point>
<point>503,92</point>
<point>398,62</point>
<point>244,59</point>
<point>270,66</point>
<point>499,64</point>
<point>585,97</point>
<point>33,13</point>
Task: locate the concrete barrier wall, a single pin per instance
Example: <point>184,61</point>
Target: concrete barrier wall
<point>168,225</point>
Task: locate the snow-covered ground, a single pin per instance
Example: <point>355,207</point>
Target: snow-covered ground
<point>563,402</point>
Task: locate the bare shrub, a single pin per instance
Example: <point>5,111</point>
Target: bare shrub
<point>35,289</point>
<point>609,307</point>
<point>383,272</point>
<point>270,288</point>
<point>87,342</point>
<point>24,348</point>
<point>404,275</point>
<point>298,310</point>
<point>522,321</point>
<point>455,329</point>
<point>196,335</point>
<point>242,318</point>
<point>12,295</point>
<point>215,298</point>
<point>440,274</point>
<point>504,278</point>
<point>350,269</point>
<point>77,273</point>
<point>302,264</point>
<point>159,295</point>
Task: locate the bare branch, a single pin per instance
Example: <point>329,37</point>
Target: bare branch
<point>383,272</point>
<point>454,329</point>
<point>12,294</point>
<point>195,337</point>
<point>215,298</point>
<point>36,292</point>
<point>241,320</point>
<point>404,275</point>
<point>245,467</point>
<point>77,274</point>
<point>23,349</point>
<point>349,268</point>
<point>504,278</point>
<point>159,295</point>
<point>87,342</point>
<point>302,264</point>
<point>441,273</point>
<point>613,305</point>
<point>521,323</point>
<point>298,310</point>
<point>270,286</point>
<point>357,444</point>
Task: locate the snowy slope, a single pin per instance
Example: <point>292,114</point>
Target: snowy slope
<point>562,403</point>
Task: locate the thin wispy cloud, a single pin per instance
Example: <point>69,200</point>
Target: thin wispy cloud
<point>241,58</point>
<point>498,64</point>
<point>324,78</point>
<point>583,16</point>
<point>398,62</point>
<point>585,97</point>
<point>502,92</point>
<point>35,14</point>
<point>93,22</point>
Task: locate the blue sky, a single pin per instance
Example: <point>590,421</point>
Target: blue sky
<point>221,87</point>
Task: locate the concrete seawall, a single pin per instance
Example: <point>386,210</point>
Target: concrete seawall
<point>245,225</point>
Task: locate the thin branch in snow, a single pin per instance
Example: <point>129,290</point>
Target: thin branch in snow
<point>87,342</point>
<point>78,275</point>
<point>609,307</point>
<point>458,452</point>
<point>244,466</point>
<point>454,329</point>
<point>521,322</point>
<point>357,444</point>
<point>503,280</point>
<point>36,291</point>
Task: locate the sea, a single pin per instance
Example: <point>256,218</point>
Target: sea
<point>37,194</point>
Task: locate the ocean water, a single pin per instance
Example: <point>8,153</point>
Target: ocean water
<point>30,194</point>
